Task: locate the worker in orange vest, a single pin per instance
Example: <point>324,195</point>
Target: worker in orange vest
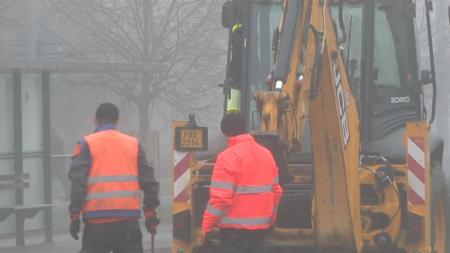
<point>108,171</point>
<point>244,191</point>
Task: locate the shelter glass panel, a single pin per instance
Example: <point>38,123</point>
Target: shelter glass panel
<point>34,194</point>
<point>6,148</point>
<point>32,113</point>
<point>6,115</point>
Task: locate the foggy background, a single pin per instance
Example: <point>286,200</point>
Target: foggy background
<point>441,43</point>
<point>185,37</point>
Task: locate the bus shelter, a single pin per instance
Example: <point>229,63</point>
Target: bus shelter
<point>25,167</point>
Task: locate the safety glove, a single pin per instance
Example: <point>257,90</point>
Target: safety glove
<point>75,225</point>
<point>151,221</point>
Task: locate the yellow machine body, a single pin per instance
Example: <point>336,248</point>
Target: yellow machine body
<point>403,214</point>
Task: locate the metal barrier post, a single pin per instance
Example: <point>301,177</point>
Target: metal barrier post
<point>46,155</point>
<point>18,152</point>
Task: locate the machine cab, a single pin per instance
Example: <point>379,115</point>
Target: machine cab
<point>381,60</point>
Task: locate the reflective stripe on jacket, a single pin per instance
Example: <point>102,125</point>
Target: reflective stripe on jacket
<point>112,185</point>
<point>244,191</point>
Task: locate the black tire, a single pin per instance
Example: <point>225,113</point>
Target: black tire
<point>440,210</point>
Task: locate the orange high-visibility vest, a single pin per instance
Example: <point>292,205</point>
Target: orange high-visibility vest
<point>244,191</point>
<point>112,186</point>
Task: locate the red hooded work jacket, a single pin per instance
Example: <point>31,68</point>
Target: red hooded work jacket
<point>244,191</point>
<point>112,185</point>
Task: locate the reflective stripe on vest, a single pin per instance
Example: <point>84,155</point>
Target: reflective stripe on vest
<point>222,185</point>
<point>244,189</point>
<point>215,211</point>
<point>113,194</point>
<point>108,179</point>
<point>246,221</point>
<point>254,189</point>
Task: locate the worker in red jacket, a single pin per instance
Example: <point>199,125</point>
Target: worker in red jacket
<point>109,169</point>
<point>244,191</point>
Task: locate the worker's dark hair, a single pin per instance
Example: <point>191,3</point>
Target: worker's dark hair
<point>107,113</point>
<point>233,124</point>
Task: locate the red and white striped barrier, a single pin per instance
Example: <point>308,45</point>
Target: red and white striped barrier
<point>416,171</point>
<point>181,176</point>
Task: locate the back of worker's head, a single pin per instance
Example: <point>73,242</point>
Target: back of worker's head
<point>107,113</point>
<point>233,124</point>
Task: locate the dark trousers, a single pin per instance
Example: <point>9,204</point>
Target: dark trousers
<point>116,237</point>
<point>242,241</point>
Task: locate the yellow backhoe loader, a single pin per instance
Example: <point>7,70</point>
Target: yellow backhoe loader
<point>334,89</point>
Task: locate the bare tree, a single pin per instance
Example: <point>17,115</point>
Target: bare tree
<point>12,25</point>
<point>183,35</point>
<point>441,36</point>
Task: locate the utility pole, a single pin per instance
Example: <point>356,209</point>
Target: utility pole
<point>32,52</point>
<point>143,105</point>
<point>33,22</point>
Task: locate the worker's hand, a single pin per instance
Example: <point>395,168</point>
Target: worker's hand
<point>151,221</point>
<point>75,225</point>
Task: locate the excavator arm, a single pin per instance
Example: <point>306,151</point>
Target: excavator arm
<point>309,79</point>
<point>335,139</point>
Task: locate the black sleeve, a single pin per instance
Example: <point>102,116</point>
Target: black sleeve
<point>78,174</point>
<point>147,181</point>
